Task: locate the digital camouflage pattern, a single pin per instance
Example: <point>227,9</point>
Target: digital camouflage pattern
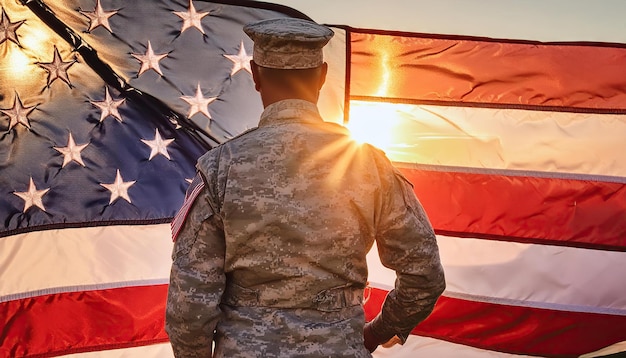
<point>270,261</point>
<point>288,43</point>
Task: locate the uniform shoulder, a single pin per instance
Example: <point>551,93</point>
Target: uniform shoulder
<point>230,141</point>
<point>336,127</point>
<point>213,153</point>
<point>379,155</point>
<point>385,166</point>
<point>238,137</point>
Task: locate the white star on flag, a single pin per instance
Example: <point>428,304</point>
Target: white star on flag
<point>71,152</point>
<point>57,68</point>
<point>99,17</point>
<point>109,106</point>
<point>149,60</point>
<point>158,145</point>
<point>32,196</point>
<point>191,18</point>
<point>119,188</point>
<point>8,29</point>
<point>198,103</point>
<point>18,114</point>
<point>241,61</point>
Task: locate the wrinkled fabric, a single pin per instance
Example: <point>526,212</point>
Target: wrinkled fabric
<point>270,260</point>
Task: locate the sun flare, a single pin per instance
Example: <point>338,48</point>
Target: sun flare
<point>373,123</point>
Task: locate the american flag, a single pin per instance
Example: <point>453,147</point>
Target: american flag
<point>106,105</point>
<point>514,148</point>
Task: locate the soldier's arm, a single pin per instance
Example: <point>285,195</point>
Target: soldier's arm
<point>406,244</point>
<point>196,280</point>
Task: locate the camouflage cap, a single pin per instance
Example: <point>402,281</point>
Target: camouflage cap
<point>287,43</point>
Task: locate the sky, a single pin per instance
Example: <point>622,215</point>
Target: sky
<point>541,20</point>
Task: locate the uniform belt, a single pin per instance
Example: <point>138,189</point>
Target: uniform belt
<point>331,299</point>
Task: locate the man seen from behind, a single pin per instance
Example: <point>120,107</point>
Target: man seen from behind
<point>270,245</point>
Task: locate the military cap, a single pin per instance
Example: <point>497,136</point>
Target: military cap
<point>288,43</point>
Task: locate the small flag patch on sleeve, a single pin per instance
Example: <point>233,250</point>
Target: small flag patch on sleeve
<point>194,189</point>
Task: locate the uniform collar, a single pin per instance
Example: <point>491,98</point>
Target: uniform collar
<point>290,110</point>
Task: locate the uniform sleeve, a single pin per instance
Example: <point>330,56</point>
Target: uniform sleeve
<point>406,244</point>
<point>197,280</point>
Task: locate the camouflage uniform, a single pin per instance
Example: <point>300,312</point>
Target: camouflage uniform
<point>270,260</point>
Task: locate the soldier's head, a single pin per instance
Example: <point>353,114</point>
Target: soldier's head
<point>288,62</point>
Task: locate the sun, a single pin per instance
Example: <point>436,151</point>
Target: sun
<point>373,123</point>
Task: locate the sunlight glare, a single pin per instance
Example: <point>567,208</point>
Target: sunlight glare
<point>21,64</point>
<point>18,62</point>
<point>373,123</point>
<point>37,39</point>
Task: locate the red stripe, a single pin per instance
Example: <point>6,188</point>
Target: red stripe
<point>527,209</point>
<point>422,69</point>
<point>68,323</point>
<point>65,323</point>
<point>515,329</point>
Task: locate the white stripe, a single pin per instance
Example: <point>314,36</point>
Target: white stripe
<point>416,346</point>
<point>80,288</point>
<point>612,349</point>
<point>162,350</point>
<point>494,138</point>
<point>552,276</point>
<point>332,96</point>
<point>543,276</point>
<point>535,304</point>
<point>69,259</point>
<point>555,20</point>
<point>513,173</point>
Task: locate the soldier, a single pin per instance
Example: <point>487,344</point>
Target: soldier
<point>270,245</point>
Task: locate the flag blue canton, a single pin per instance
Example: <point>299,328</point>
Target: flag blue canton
<point>76,149</point>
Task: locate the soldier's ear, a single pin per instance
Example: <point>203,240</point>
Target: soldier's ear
<point>255,75</point>
<point>322,78</point>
